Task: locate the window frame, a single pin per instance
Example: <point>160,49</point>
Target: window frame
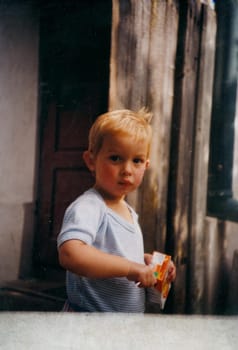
<point>220,200</point>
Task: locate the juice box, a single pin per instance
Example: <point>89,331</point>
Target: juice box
<point>160,263</point>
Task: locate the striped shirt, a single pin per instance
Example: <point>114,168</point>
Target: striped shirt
<point>89,219</point>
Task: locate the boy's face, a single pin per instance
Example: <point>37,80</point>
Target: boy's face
<point>120,165</point>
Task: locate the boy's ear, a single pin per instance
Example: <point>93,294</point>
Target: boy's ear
<point>147,164</point>
<point>89,160</point>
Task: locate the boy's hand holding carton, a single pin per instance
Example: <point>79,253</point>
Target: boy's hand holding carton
<point>161,263</point>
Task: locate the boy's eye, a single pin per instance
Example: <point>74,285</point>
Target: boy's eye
<point>115,158</point>
<point>138,160</point>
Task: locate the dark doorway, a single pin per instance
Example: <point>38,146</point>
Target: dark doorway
<point>74,83</point>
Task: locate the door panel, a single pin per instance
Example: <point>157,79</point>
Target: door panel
<point>74,78</point>
<point>63,175</point>
<point>69,126</point>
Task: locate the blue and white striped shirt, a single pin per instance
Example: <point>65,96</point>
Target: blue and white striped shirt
<point>89,219</point>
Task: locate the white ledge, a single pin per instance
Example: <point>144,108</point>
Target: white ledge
<point>109,331</point>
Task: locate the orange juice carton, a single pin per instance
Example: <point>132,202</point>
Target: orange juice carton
<point>161,263</point>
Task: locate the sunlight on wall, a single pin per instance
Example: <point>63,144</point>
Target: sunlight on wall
<point>18,134</point>
<point>235,157</point>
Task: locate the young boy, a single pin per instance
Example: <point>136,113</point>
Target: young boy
<point>100,243</point>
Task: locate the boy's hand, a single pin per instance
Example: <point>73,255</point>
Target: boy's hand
<point>148,258</point>
<point>172,268</point>
<point>171,273</point>
<point>142,274</point>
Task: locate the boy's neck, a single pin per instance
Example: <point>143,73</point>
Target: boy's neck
<point>117,204</point>
<point>121,208</point>
<point>108,198</point>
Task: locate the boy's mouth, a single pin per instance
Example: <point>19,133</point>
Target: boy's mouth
<point>125,183</point>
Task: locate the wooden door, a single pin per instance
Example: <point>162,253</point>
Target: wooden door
<point>74,75</point>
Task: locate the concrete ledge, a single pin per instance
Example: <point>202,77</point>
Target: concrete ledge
<point>71,331</point>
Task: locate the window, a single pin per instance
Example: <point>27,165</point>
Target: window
<point>223,162</point>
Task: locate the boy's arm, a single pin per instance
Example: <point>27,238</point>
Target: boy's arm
<point>85,260</point>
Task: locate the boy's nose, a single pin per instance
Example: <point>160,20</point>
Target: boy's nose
<point>127,168</point>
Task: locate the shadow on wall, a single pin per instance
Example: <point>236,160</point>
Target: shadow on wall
<point>15,298</point>
<point>26,256</point>
<point>232,302</point>
<point>221,280</point>
<point>28,293</point>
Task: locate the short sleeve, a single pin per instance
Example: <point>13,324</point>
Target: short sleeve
<point>82,220</point>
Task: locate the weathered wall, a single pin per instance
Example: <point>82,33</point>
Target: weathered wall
<point>163,57</point>
<point>221,284</point>
<point>143,54</point>
<point>18,135</point>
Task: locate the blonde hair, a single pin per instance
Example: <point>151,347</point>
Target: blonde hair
<point>120,122</point>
